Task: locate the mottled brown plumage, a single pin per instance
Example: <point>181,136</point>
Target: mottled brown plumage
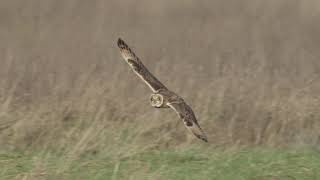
<point>162,97</point>
<point>138,67</point>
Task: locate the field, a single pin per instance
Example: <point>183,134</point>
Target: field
<point>253,164</point>
<point>70,107</point>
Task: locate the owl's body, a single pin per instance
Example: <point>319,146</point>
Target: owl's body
<point>161,96</point>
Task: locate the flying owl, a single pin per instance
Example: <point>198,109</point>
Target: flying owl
<point>161,96</point>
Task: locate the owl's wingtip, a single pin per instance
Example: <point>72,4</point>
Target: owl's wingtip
<point>121,43</point>
<point>203,138</point>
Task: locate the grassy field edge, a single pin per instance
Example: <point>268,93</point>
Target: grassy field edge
<point>250,163</point>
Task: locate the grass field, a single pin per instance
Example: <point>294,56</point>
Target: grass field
<point>245,164</point>
<point>71,108</point>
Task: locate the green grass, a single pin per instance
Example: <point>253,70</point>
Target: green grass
<point>169,164</point>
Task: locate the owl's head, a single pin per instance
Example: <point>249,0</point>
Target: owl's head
<point>156,100</point>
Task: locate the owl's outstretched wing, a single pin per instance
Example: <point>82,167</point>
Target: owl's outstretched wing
<point>138,67</point>
<point>187,116</point>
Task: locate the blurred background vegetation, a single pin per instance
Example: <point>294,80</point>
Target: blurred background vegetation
<point>250,69</point>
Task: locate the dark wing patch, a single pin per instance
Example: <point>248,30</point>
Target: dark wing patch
<point>139,68</point>
<point>188,123</point>
<point>187,116</point>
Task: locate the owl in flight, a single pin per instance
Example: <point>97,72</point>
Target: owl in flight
<point>161,96</point>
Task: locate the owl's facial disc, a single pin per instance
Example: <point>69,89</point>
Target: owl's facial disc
<point>156,100</point>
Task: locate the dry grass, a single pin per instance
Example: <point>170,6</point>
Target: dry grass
<point>250,70</point>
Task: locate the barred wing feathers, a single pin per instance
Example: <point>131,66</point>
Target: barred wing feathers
<point>187,116</point>
<point>138,67</point>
